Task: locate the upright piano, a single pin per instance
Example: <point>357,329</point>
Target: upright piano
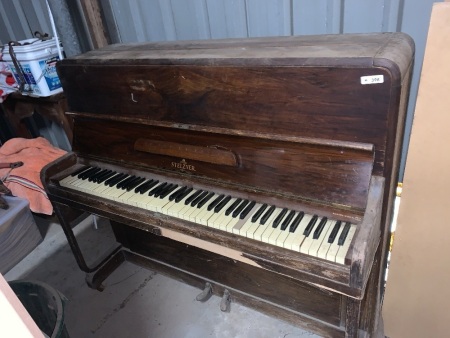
<point>262,170</point>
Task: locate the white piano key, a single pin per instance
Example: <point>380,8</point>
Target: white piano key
<point>178,208</point>
<point>325,246</point>
<point>269,229</point>
<point>138,199</point>
<point>204,215</point>
<point>309,240</point>
<point>334,247</point>
<point>277,232</point>
<point>216,219</point>
<point>342,252</point>
<point>225,219</point>
<point>314,248</point>
<point>239,223</point>
<point>241,229</point>
<point>66,181</point>
<point>263,227</point>
<point>295,239</point>
<point>169,205</point>
<point>284,233</point>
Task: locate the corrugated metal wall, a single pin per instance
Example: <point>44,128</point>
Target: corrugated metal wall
<point>159,20</point>
<point>156,20</point>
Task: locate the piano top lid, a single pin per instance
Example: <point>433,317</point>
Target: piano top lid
<point>365,50</point>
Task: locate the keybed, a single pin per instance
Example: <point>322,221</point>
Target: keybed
<point>294,230</point>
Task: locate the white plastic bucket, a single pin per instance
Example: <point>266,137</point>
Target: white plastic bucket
<point>37,58</point>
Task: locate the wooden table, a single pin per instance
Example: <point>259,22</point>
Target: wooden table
<point>17,107</point>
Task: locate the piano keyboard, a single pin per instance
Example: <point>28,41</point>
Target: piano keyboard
<point>293,230</point>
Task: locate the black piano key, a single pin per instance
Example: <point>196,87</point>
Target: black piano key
<point>320,227</point>
<point>101,178</point>
<point>106,177</point>
<point>260,211</point>
<point>179,198</point>
<point>168,191</point>
<point>135,183</point>
<point>79,171</point>
<point>84,172</point>
<point>278,219</point>
<point>199,198</point>
<point>92,173</point>
<point>143,185</point>
<point>334,232</point>
<point>222,204</point>
<point>233,206</point>
<point>287,220</point>
<point>115,179</point>
<point>147,186</point>
<point>162,191</point>
<point>239,209</point>
<point>157,189</point>
<point>89,173</point>
<point>247,210</point>
<point>213,204</point>
<point>310,225</point>
<point>267,215</point>
<point>92,178</point>
<point>296,221</point>
<point>130,183</point>
<point>193,196</point>
<point>177,193</point>
<point>344,234</point>
<point>205,200</point>
<point>123,183</point>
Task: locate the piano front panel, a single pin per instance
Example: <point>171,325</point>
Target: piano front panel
<point>241,98</point>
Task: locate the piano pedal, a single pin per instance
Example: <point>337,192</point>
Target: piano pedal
<point>205,294</point>
<point>226,301</point>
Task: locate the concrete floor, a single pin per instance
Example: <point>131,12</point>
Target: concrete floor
<point>136,302</point>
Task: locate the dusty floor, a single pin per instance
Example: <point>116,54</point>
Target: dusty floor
<point>136,302</point>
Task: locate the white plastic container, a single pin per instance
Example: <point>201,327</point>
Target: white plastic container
<point>37,59</point>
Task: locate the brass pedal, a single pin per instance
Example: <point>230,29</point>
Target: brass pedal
<point>205,294</point>
<point>226,301</point>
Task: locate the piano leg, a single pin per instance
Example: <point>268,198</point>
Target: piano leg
<point>103,266</point>
<point>95,279</point>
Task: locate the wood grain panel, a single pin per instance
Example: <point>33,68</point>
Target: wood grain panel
<point>324,173</point>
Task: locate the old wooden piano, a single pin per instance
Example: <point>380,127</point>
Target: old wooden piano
<point>261,170</point>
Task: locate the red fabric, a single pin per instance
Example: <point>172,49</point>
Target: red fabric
<point>25,181</point>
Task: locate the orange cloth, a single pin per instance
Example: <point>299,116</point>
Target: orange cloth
<point>25,181</point>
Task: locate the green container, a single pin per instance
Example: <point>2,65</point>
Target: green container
<point>44,304</point>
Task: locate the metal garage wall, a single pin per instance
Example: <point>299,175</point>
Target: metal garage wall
<point>159,20</point>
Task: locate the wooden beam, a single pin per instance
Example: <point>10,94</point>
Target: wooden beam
<point>98,32</point>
